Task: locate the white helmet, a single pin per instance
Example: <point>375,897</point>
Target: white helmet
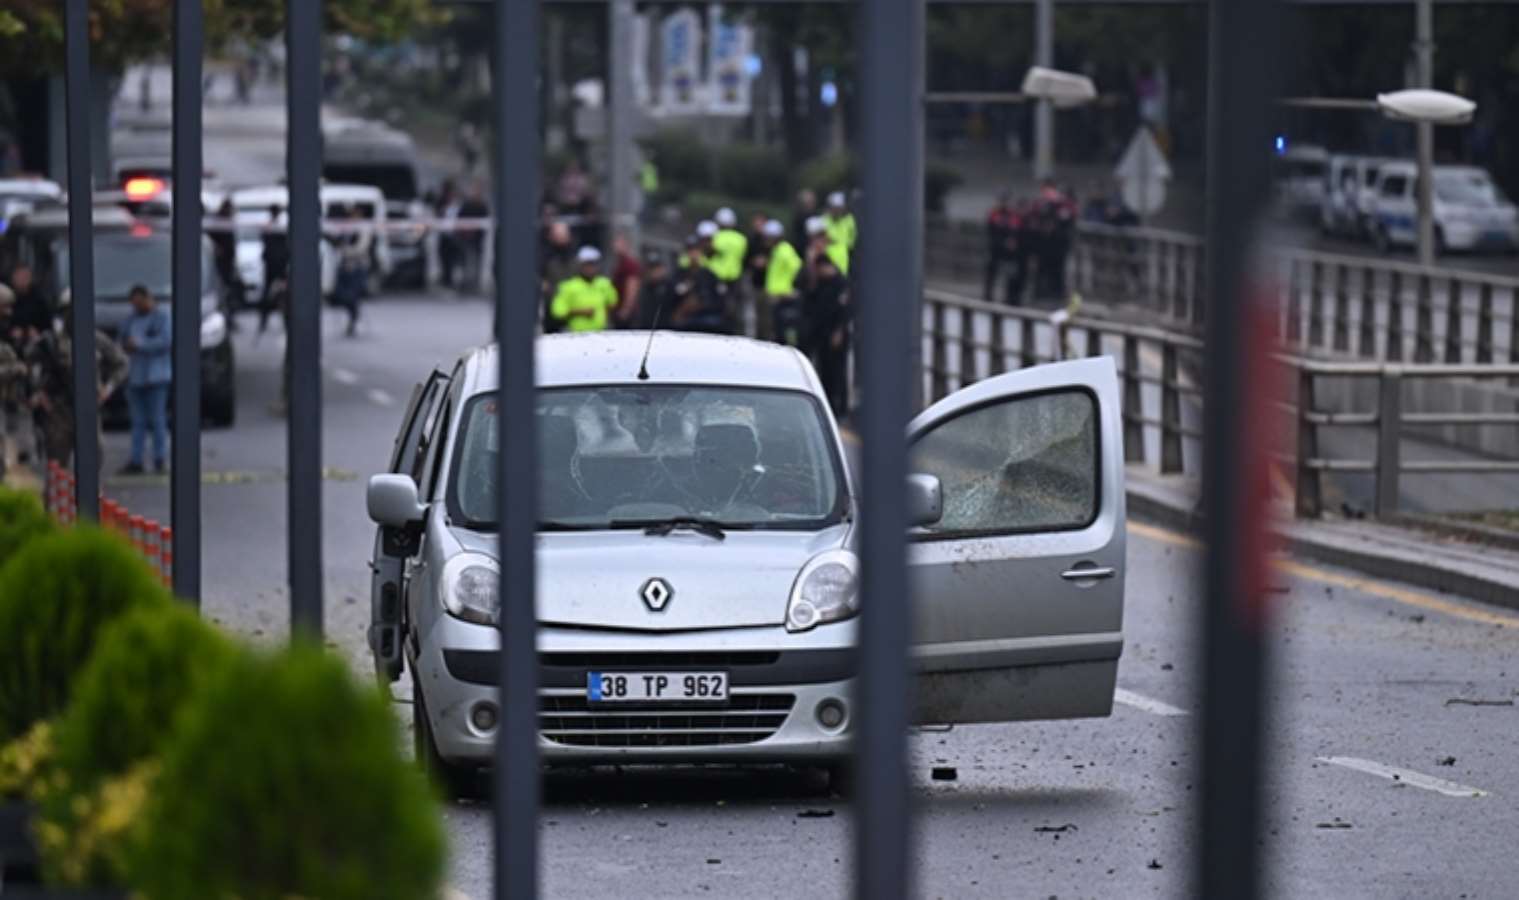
<point>816,226</point>
<point>836,199</point>
<point>726,218</point>
<point>774,228</point>
<point>706,228</point>
<point>588,254</point>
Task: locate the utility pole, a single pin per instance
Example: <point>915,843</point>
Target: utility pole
<point>1044,111</point>
<point>1424,50</point>
<point>620,112</point>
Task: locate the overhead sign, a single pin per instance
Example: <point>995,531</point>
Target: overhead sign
<point>728,77</point>
<point>1142,174</point>
<point>680,64</point>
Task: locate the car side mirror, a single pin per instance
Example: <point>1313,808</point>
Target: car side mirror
<point>925,500</point>
<point>392,500</point>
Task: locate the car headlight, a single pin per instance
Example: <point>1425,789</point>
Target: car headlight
<point>213,330</point>
<point>471,588</point>
<point>826,590</point>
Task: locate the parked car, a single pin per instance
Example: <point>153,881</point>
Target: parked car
<point>21,195</point>
<point>1299,176</point>
<point>250,210</point>
<point>374,154</point>
<point>697,570</point>
<point>1470,211</point>
<point>1349,190</point>
<point>129,251</point>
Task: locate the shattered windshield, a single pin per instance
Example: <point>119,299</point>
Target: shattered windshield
<point>625,455</point>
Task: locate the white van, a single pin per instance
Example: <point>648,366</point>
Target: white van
<point>1349,189</point>
<point>1470,210</point>
<point>251,208</point>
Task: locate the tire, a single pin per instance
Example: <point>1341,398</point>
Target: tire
<point>221,409</point>
<point>455,781</point>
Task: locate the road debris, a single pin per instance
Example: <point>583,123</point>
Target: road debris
<point>1054,829</point>
<point>815,814</point>
<point>1155,864</point>
<point>1468,701</point>
<point>1446,761</point>
<point>945,773</point>
<point>1336,823</point>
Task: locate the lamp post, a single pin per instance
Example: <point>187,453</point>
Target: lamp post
<point>1426,108</point>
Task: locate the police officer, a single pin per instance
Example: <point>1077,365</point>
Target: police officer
<point>841,226</point>
<point>656,293</point>
<point>703,296</point>
<point>584,301</point>
<point>782,265</point>
<point>828,316</point>
<point>51,359</point>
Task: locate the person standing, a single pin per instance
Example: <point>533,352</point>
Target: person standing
<point>147,337</point>
<point>841,225</point>
<point>806,208</point>
<point>999,244</point>
<point>16,436</point>
<point>828,315</point>
<point>51,358</point>
<point>33,313</point>
<point>355,246</point>
<point>627,274</point>
<point>729,246</point>
<point>782,265</point>
<point>474,211</point>
<point>656,293</point>
<point>276,255</point>
<point>584,302</point>
<point>555,265</point>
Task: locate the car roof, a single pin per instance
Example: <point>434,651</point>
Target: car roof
<point>565,360</point>
<point>57,218</point>
<point>267,195</point>
<point>31,187</point>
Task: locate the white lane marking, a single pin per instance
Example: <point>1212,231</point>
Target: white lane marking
<point>1147,704</point>
<point>344,376</point>
<point>1403,776</point>
<point>381,398</point>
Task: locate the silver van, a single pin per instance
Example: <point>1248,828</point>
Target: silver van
<point>697,579</point>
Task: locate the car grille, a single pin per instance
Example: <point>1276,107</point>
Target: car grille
<point>714,658</point>
<point>745,719</point>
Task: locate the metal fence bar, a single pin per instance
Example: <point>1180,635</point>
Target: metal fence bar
<point>184,478</point>
<point>1244,56</point>
<point>81,257</point>
<point>515,111</point>
<point>1389,443</point>
<point>303,163</point>
<point>891,275</point>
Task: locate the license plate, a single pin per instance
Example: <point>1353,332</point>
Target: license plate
<point>643,687</point>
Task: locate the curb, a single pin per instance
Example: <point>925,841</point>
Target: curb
<point>1151,505</point>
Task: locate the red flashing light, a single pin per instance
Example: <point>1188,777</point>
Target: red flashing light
<point>143,188</point>
<point>141,230</point>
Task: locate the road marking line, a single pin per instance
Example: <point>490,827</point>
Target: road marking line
<point>344,376</point>
<point>1382,589</point>
<point>381,398</point>
<point>1146,704</point>
<point>1403,776</point>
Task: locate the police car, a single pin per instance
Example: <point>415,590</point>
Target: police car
<point>697,592</point>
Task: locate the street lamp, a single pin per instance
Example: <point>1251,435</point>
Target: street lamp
<point>1426,108</point>
<point>1064,89</point>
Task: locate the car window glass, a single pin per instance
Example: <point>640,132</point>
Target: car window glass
<point>1394,185</point>
<point>430,458</point>
<point>746,457</point>
<point>1018,465</point>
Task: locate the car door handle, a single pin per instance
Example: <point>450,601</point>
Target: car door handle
<point>1090,573</point>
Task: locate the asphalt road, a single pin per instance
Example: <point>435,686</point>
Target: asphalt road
<point>1369,681</point>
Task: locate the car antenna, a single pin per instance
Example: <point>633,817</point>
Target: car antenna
<point>643,365</point>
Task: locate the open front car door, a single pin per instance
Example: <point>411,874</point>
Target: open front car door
<point>1018,587</point>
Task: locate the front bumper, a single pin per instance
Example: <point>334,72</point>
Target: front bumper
<point>777,681</point>
<point>1476,236</point>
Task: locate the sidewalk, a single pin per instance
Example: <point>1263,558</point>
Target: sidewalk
<point>1423,558</point>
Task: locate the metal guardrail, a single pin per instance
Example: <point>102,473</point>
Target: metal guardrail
<point>1332,305</point>
<point>966,340</point>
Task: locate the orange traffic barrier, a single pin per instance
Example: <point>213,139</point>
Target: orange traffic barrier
<point>152,546</point>
<point>136,526</point>
<point>166,554</point>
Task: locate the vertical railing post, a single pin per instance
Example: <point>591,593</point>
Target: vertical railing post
<point>186,238</point>
<point>518,173</point>
<point>1133,403</point>
<point>1170,411</point>
<point>1341,312</point>
<point>1455,319</point>
<point>967,371</point>
<point>1294,303</point>
<point>1484,352</point>
<point>891,274</point>
<point>1389,441</point>
<point>938,353</point>
<point>1368,324</point>
<point>1028,343</point>
<point>1393,352</point>
<point>1316,304</point>
<point>81,256</point>
<point>996,362</point>
<point>1424,321</point>
<point>1094,341</point>
<point>1309,503</point>
<point>303,162</point>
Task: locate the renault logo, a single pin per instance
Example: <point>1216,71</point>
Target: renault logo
<point>656,592</point>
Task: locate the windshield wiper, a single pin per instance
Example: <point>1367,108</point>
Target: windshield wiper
<point>661,527</point>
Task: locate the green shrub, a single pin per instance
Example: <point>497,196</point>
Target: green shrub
<point>681,158</point>
<point>285,778</point>
<point>56,595</point>
<point>21,519</point>
<point>127,700</point>
<point>145,668</point>
<point>827,173</point>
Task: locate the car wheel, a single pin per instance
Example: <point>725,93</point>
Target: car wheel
<point>457,782</point>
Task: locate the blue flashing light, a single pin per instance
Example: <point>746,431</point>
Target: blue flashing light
<point>829,93</point>
<point>1281,144</point>
<point>753,65</point>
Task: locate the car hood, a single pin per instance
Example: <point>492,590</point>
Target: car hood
<point>595,579</point>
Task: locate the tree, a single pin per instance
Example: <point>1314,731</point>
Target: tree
<point>125,31</point>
